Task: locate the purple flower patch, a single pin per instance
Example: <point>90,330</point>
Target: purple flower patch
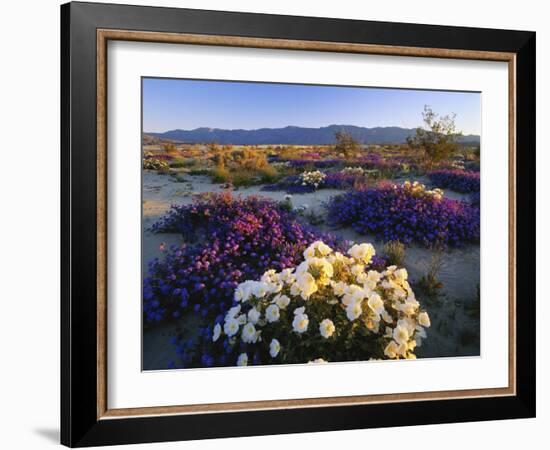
<point>234,239</point>
<point>457,180</point>
<point>393,212</point>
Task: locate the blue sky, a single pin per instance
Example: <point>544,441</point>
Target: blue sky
<point>187,104</point>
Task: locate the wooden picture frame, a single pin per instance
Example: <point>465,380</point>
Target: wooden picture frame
<point>86,418</point>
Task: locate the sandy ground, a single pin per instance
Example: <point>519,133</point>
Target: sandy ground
<point>454,313</point>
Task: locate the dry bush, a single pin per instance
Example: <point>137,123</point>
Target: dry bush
<point>394,251</point>
<point>220,175</point>
<point>287,152</point>
<point>171,149</point>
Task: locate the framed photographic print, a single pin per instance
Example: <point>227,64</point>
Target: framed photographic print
<point>277,224</point>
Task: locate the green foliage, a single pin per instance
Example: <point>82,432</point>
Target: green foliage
<point>178,163</point>
<point>199,171</point>
<point>438,138</point>
<point>394,251</point>
<point>242,178</point>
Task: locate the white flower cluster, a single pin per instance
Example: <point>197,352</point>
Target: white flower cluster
<point>419,189</point>
<point>314,178</point>
<point>329,296</point>
<point>458,164</point>
<point>356,171</point>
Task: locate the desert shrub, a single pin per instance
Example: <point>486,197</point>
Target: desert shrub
<point>220,175</point>
<point>268,174</point>
<point>171,148</point>
<point>234,239</point>
<point>164,170</point>
<point>178,163</point>
<point>242,178</point>
<point>394,251</point>
<point>154,164</point>
<point>287,152</point>
<point>242,167</point>
<point>330,307</point>
<point>429,283</point>
<point>471,154</point>
<point>438,138</point>
<point>346,144</point>
<point>240,159</point>
<point>408,213</point>
<point>200,171</point>
<point>455,179</point>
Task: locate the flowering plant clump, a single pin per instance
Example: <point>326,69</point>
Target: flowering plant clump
<point>332,180</point>
<point>408,213</point>
<point>304,183</point>
<point>357,171</point>
<point>475,198</point>
<point>455,179</point>
<point>459,165</point>
<point>331,307</point>
<point>314,179</point>
<point>419,190</point>
<point>345,179</point>
<point>311,155</point>
<point>154,164</point>
<point>389,166</point>
<point>234,239</point>
<point>290,184</point>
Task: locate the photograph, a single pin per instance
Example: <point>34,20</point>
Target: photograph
<point>277,225</point>
<point>307,224</point>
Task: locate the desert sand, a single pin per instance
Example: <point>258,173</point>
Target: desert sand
<point>454,314</point>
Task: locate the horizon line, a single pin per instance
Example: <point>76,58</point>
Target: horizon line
<point>289,126</point>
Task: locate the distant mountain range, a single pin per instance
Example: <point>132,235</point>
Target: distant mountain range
<point>294,135</point>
